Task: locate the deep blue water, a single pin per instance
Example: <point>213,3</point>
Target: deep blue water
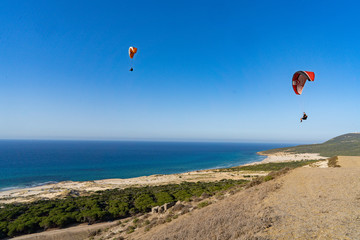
<point>29,163</point>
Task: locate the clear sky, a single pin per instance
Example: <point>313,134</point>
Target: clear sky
<point>205,70</point>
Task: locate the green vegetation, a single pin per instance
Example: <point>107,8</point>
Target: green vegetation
<point>270,176</point>
<point>17,219</point>
<point>203,204</point>
<point>270,166</point>
<point>130,229</point>
<point>344,145</point>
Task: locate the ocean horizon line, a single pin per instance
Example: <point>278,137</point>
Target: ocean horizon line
<point>159,140</point>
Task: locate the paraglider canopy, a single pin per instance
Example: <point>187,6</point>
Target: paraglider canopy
<point>299,79</point>
<point>132,51</point>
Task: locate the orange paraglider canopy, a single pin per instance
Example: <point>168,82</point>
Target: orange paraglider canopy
<point>299,80</point>
<point>132,51</point>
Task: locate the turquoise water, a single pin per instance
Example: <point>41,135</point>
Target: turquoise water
<point>31,163</point>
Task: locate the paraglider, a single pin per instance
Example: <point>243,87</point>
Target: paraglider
<point>132,51</point>
<point>298,83</point>
<point>299,80</point>
<point>304,117</point>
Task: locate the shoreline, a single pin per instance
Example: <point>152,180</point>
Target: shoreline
<point>288,157</point>
<point>79,188</point>
<point>36,185</point>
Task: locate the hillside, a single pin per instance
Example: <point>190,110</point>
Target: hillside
<point>344,145</point>
<point>307,203</point>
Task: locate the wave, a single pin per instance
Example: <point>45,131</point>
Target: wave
<point>27,186</point>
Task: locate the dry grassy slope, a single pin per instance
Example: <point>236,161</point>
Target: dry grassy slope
<point>241,216</point>
<point>307,203</point>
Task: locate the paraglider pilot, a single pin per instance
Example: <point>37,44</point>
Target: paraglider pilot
<point>132,51</point>
<point>304,117</point>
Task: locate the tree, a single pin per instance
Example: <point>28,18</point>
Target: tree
<point>163,197</point>
<point>144,202</point>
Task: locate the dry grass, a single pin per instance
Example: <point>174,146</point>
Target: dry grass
<point>237,217</point>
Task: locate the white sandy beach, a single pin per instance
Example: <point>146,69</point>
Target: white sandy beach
<point>73,188</point>
<point>287,157</point>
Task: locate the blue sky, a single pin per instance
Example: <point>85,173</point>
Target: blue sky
<point>205,70</point>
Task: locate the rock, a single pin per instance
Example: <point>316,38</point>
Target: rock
<point>178,207</point>
<point>168,205</point>
<point>205,195</point>
<point>155,209</point>
<point>162,208</point>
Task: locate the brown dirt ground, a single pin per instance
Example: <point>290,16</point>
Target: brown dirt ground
<point>316,203</point>
<point>307,203</point>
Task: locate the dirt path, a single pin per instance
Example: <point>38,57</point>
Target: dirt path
<point>316,203</point>
<point>307,203</point>
<point>349,162</point>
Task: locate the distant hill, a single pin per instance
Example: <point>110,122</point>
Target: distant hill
<point>344,145</point>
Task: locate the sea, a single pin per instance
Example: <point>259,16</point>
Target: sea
<point>29,163</point>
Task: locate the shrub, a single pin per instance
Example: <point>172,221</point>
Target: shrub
<point>168,219</point>
<point>268,178</point>
<point>130,229</point>
<point>332,162</point>
<point>203,204</point>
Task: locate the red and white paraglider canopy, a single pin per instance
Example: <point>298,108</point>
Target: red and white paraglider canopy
<point>299,79</point>
<point>132,51</point>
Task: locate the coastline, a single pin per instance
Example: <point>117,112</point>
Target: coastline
<point>288,157</point>
<point>77,188</point>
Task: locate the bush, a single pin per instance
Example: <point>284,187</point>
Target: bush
<point>130,229</point>
<point>268,178</point>
<point>332,162</point>
<point>203,204</point>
